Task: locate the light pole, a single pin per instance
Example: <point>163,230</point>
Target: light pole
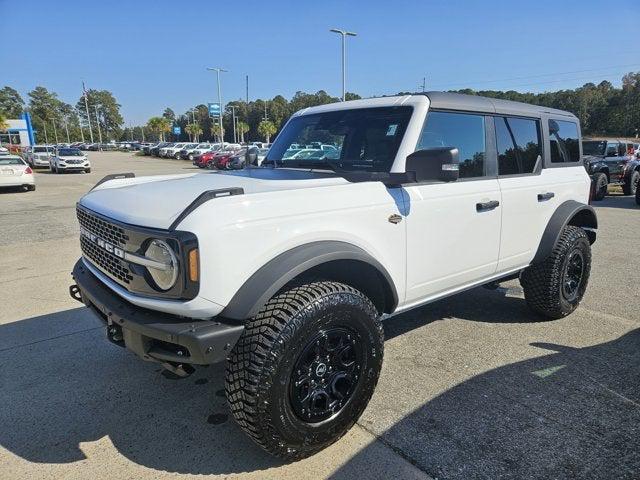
<point>218,70</point>
<point>343,34</point>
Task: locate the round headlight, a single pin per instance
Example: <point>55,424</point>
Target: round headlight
<point>166,275</point>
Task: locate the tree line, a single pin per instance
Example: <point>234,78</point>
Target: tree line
<point>602,108</point>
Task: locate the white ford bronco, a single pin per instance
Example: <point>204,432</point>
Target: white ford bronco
<point>422,197</point>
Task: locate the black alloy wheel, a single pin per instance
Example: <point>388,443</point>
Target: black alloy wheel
<point>326,374</point>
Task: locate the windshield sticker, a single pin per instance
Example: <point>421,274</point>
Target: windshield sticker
<point>391,131</point>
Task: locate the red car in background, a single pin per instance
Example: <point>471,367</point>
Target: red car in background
<point>203,160</point>
<point>221,160</point>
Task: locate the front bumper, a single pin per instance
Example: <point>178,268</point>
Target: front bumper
<point>155,336</point>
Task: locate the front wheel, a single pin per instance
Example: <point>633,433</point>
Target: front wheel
<point>631,185</point>
<point>305,368</point>
<point>555,287</point>
<point>600,182</point>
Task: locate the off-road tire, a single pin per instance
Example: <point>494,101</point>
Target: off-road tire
<point>630,187</point>
<point>638,196</point>
<point>600,182</point>
<point>543,283</point>
<point>261,364</point>
<point>31,188</point>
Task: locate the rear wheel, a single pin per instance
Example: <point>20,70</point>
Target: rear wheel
<point>555,287</point>
<point>305,368</point>
<point>638,196</point>
<point>630,187</point>
<point>31,188</point>
<point>600,182</point>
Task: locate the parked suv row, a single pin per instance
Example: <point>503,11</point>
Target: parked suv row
<point>612,162</point>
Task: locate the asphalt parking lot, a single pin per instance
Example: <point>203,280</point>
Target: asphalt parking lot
<point>470,388</point>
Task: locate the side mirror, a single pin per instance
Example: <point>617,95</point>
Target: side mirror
<point>251,156</point>
<point>434,164</point>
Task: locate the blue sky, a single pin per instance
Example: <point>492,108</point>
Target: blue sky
<point>153,54</point>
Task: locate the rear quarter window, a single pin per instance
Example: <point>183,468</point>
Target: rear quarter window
<point>565,141</point>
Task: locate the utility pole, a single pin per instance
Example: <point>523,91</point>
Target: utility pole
<point>233,121</point>
<point>131,128</point>
<point>142,130</point>
<point>55,132</point>
<point>193,118</point>
<point>98,123</point>
<point>266,117</point>
<point>66,127</point>
<point>80,125</point>
<point>424,84</point>
<point>218,70</point>
<point>86,106</point>
<point>46,139</point>
<point>343,34</point>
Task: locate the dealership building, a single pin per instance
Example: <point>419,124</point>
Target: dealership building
<point>20,132</point>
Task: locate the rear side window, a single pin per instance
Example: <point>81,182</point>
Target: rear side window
<point>518,143</point>
<point>462,131</point>
<point>564,141</point>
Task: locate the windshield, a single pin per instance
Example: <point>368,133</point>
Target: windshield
<point>69,152</point>
<point>191,145</point>
<point>10,161</point>
<point>594,147</point>
<point>41,149</point>
<point>363,139</point>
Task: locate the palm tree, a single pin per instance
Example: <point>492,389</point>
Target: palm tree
<point>4,125</point>
<point>215,131</point>
<point>266,129</point>
<point>194,129</point>
<point>160,126</point>
<point>242,128</point>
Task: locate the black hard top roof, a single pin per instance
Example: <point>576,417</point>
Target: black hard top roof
<point>475,103</point>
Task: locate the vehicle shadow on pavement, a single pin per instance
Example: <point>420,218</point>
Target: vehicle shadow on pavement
<point>571,413</point>
<point>617,201</point>
<point>61,390</point>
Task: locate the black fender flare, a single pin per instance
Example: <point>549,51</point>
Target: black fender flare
<point>276,273</point>
<point>568,213</point>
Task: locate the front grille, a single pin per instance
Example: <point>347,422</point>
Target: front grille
<point>105,230</point>
<point>113,266</point>
<point>107,262</point>
<point>74,162</point>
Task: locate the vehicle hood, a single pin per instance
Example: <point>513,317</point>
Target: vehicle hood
<point>157,201</point>
<point>71,157</point>
<point>592,158</point>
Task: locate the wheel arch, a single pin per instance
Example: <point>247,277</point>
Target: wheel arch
<point>327,260</point>
<point>570,212</point>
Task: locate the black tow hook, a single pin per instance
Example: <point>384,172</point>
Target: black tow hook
<point>75,293</point>
<point>182,370</point>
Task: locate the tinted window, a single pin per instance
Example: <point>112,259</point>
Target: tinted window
<point>518,143</point>
<point>564,142</point>
<point>462,131</point>
<point>355,139</point>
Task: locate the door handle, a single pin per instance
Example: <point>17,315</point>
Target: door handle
<point>484,206</point>
<point>545,196</point>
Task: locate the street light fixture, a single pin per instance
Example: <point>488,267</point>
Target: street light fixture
<point>218,70</point>
<point>343,34</point>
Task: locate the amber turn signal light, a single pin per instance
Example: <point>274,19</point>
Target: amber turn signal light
<point>193,265</point>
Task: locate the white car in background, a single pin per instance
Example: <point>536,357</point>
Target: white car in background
<point>39,155</point>
<point>14,172</point>
<point>198,150</point>
<point>170,152</point>
<point>69,160</point>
